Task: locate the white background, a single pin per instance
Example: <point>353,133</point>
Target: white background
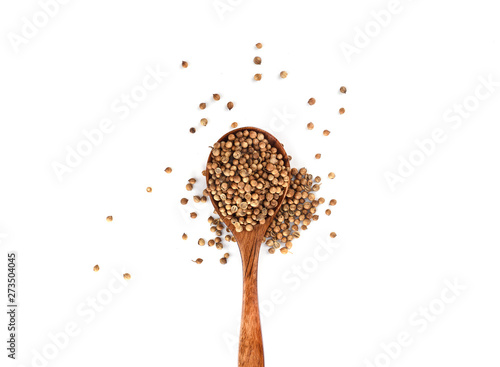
<point>395,249</point>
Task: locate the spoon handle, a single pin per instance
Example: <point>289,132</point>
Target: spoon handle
<point>251,353</point>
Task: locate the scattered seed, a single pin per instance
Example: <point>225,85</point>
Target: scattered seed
<point>184,236</point>
<point>257,77</point>
<point>203,122</point>
<point>203,106</point>
<point>230,105</point>
<point>331,175</point>
<point>342,110</point>
<point>311,101</point>
<point>226,255</point>
<point>192,181</point>
<point>189,187</point>
<point>284,250</point>
<point>211,243</point>
<point>168,170</point>
<point>257,60</point>
<point>185,64</point>
<point>326,132</point>
<point>317,156</point>
<point>333,235</point>
<point>223,261</point>
<point>109,218</point>
<point>210,220</point>
<point>127,276</point>
<point>192,130</point>
<point>184,201</point>
<point>193,215</point>
<point>310,126</point>
<point>196,199</point>
<point>283,74</point>
<point>216,97</point>
<point>343,90</point>
<point>96,268</point>
<point>271,250</point>
<point>198,261</point>
<point>258,45</point>
<point>219,246</point>
<point>321,200</point>
<point>149,189</point>
<point>328,212</point>
<point>234,125</point>
<point>333,202</point>
<point>201,242</point>
<point>203,199</point>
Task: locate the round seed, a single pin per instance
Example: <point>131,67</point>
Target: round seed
<point>258,45</point>
<point>203,106</point>
<point>185,64</point>
<point>342,110</point>
<point>223,261</point>
<point>109,218</point>
<point>192,130</point>
<point>271,250</point>
<point>203,122</point>
<point>311,101</point>
<point>333,235</point>
<point>257,77</point>
<point>230,105</point>
<point>333,202</point>
<point>331,175</point>
<point>257,60</point>
<point>310,126</point>
<point>328,212</point>
<point>198,261</point>
<point>201,242</point>
<point>192,180</point>
<point>226,255</point>
<point>127,276</point>
<point>234,125</point>
<point>189,187</point>
<point>284,250</point>
<point>283,74</point>
<point>184,236</point>
<point>211,243</point>
<point>219,246</point>
<point>149,189</point>
<point>184,201</point>
<point>193,215</point>
<point>317,156</point>
<point>216,97</point>
<point>96,268</point>
<point>326,132</point>
<point>196,199</point>
<point>343,89</point>
<point>168,170</point>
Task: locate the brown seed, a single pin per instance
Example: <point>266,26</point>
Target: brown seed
<point>216,97</point>
<point>271,250</point>
<point>185,64</point>
<point>96,268</point>
<point>109,218</point>
<point>184,201</point>
<point>226,255</point>
<point>201,242</point>
<point>198,261</point>
<point>149,189</point>
<point>284,250</point>
<point>234,125</point>
<point>184,236</point>
<point>210,220</point>
<point>196,199</point>
<point>203,122</point>
<point>321,200</point>
<point>211,243</point>
<point>193,215</point>
<point>331,175</point>
<point>127,276</point>
<point>343,90</point>
<point>223,261</point>
<point>257,60</point>
<point>192,130</point>
<point>310,126</point>
<point>258,45</point>
<point>333,235</point>
<point>342,110</point>
<point>311,101</point>
<point>203,199</point>
<point>230,105</point>
<point>333,202</point>
<point>189,187</point>
<point>257,77</point>
<point>283,74</point>
<point>328,212</point>
<point>203,106</point>
<point>219,246</point>
<point>192,181</point>
<point>168,170</point>
<point>317,156</point>
<point>326,132</point>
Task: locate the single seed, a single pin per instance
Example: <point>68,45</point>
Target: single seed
<point>216,97</point>
<point>328,212</point>
<point>201,242</point>
<point>321,200</point>
<point>226,255</point>
<point>203,106</point>
<point>149,189</point>
<point>192,181</point>
<point>210,220</point>
<point>342,110</point>
<point>284,250</point>
<point>109,218</point>
<point>193,215</point>
<point>189,187</point>
<point>184,201</point>
<point>234,125</point>
<point>283,74</point>
<point>317,156</point>
<point>96,268</point>
<point>311,101</point>
<point>343,89</point>
<point>168,170</point>
<point>196,199</point>
<point>185,64</point>
<point>198,261</point>
<point>317,179</point>
<point>127,276</point>
<point>333,202</point>
<point>257,77</point>
<point>331,175</point>
<point>310,126</point>
<point>192,130</point>
<point>333,235</point>
<point>219,246</point>
<point>223,261</point>
<point>257,60</point>
<point>326,132</point>
<point>230,105</point>
<point>203,199</point>
<point>184,236</point>
<point>203,122</point>
<point>258,45</point>
<point>211,243</point>
<point>271,250</point>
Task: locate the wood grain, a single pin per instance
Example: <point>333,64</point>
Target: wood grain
<point>251,350</point>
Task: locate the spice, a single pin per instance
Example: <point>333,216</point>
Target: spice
<point>203,122</point>
<point>271,250</point>
<point>149,189</point>
<point>203,199</point>
<point>326,132</point>
<point>184,236</point>
<point>184,201</point>
<point>185,64</point>
<point>223,261</point>
<point>211,243</point>
<point>109,218</point>
<point>258,45</point>
<point>127,276</point>
<point>343,90</point>
<point>234,125</point>
<point>333,202</point>
<point>257,60</point>
<point>333,235</point>
<point>168,170</point>
<point>216,97</point>
<point>219,246</point>
<point>311,101</point>
<point>192,181</point>
<point>193,215</point>
<point>328,212</point>
<point>203,106</point>
<point>284,250</point>
<point>189,187</point>
<point>201,242</point>
<point>283,74</point>
<point>230,105</point>
<point>192,130</point>
<point>196,199</point>
<point>198,261</point>
<point>342,110</point>
<point>317,156</point>
<point>226,255</point>
<point>310,126</point>
<point>96,268</point>
<point>257,77</point>
<point>321,200</point>
<point>331,175</point>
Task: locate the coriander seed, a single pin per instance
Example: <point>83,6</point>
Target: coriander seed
<point>196,199</point>
<point>203,106</point>
<point>226,255</point>
<point>109,218</point>
<point>317,156</point>
<point>342,110</point>
<point>189,187</point>
<point>203,199</point>
<point>192,181</point>
<point>149,189</point>
<point>198,261</point>
<point>328,212</point>
<point>192,130</point>
<point>271,250</point>
<point>343,89</point>
<point>223,261</point>
<point>184,201</point>
<point>321,200</point>
<point>168,170</point>
<point>184,236</point>
<point>201,242</point>
<point>127,276</point>
<point>283,74</point>
<point>230,105</point>
<point>326,132</point>
<point>234,125</point>
<point>284,250</point>
<point>185,64</point>
<point>331,175</point>
<point>257,60</point>
<point>259,45</point>
<point>203,122</point>
<point>219,246</point>
<point>96,268</point>
<point>193,215</point>
<point>211,243</point>
<point>216,97</point>
<point>310,126</point>
<point>257,77</point>
<point>333,235</point>
<point>333,202</point>
<point>311,101</point>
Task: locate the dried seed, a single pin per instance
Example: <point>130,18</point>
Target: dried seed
<point>192,130</point>
<point>196,199</point>
<point>284,250</point>
<point>331,175</point>
<point>310,126</point>
<point>211,243</point>
<point>342,110</point>
<point>168,170</point>
<point>192,181</point>
<point>230,105</point>
<point>203,122</point>
<point>216,97</point>
<point>328,212</point>
<point>203,199</point>
<point>223,261</point>
<point>189,187</point>
<point>258,45</point>
<point>185,64</point>
<point>184,201</point>
<point>127,276</point>
<point>333,202</point>
<point>203,105</point>
<point>257,77</point>
<point>271,250</point>
<point>184,236</point>
<point>149,189</point>
<point>201,242</point>
<point>198,261</point>
<point>219,246</point>
<point>234,125</point>
<point>321,200</point>
<point>109,218</point>
<point>343,90</point>
<point>283,74</point>
<point>193,215</point>
<point>96,268</point>
<point>226,255</point>
<point>311,101</point>
<point>333,235</point>
<point>326,132</point>
<point>257,60</point>
<point>317,156</point>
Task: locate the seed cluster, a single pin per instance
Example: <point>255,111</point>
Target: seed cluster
<point>247,176</point>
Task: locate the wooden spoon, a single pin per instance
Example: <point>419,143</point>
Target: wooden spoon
<point>251,353</point>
